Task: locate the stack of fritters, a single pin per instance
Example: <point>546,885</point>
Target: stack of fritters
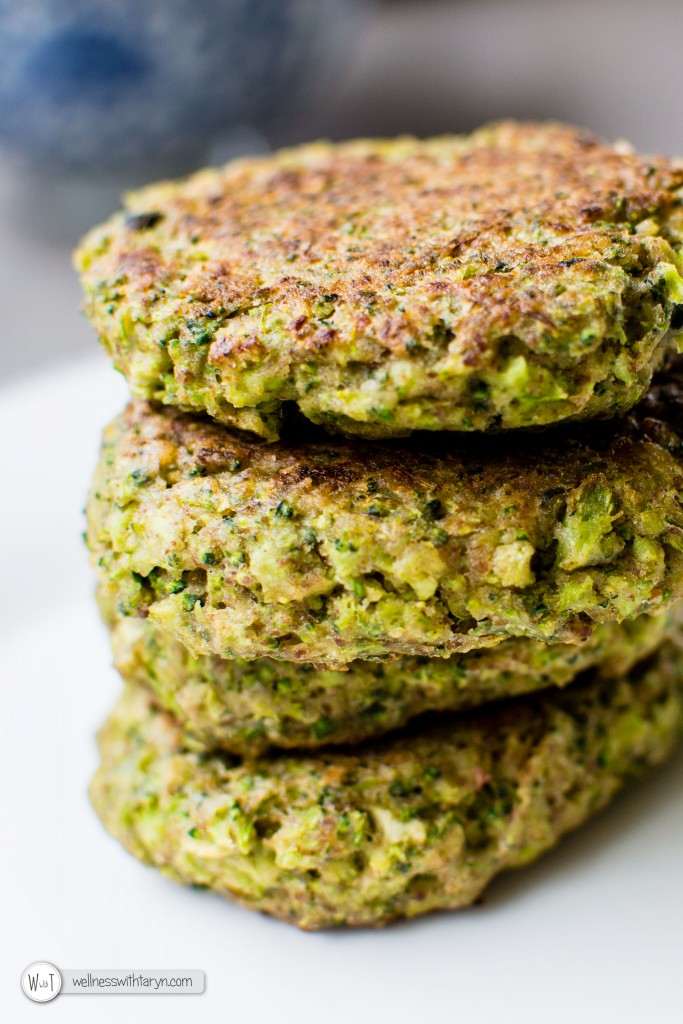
<point>280,597</point>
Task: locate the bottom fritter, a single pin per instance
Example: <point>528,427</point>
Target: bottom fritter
<point>415,823</point>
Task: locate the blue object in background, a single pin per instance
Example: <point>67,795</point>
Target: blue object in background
<point>107,85</point>
<point>71,64</point>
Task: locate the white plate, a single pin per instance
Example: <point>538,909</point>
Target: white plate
<point>593,933</point>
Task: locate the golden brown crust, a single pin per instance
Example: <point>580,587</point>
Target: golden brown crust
<point>314,274</point>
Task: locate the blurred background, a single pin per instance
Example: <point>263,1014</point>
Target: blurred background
<point>100,95</point>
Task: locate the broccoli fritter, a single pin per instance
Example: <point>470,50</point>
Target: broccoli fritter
<point>326,552</point>
<point>520,276</point>
<point>248,706</point>
<point>416,823</point>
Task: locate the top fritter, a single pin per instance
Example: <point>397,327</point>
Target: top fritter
<point>523,275</point>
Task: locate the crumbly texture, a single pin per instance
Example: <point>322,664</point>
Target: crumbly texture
<point>328,552</point>
<point>248,706</point>
<point>418,823</point>
<point>523,275</point>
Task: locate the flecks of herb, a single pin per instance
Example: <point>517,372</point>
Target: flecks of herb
<point>322,728</point>
<point>284,510</point>
<point>571,262</point>
<point>433,509</point>
<point>398,789</point>
<point>144,221</point>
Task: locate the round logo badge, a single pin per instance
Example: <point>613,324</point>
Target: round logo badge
<point>41,982</point>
